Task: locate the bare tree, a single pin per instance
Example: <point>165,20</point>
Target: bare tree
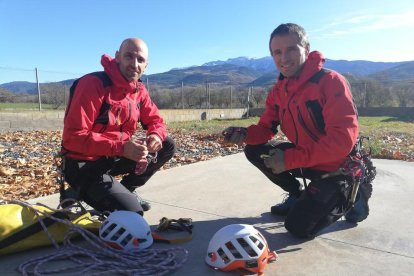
<point>54,94</point>
<point>6,96</point>
<point>404,94</point>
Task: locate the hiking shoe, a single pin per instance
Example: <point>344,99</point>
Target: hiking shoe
<point>145,205</point>
<point>360,210</point>
<point>284,207</point>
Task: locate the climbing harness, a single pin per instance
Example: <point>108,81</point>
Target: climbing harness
<point>358,167</point>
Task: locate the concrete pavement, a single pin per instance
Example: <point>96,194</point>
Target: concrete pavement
<point>229,190</point>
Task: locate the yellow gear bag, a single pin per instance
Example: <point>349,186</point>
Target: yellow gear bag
<point>20,226</point>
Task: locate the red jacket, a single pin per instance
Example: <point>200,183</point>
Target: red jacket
<point>316,113</point>
<point>100,119</point>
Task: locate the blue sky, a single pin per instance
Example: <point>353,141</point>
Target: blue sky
<point>65,39</point>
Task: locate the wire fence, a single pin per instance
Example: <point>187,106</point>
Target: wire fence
<point>367,92</point>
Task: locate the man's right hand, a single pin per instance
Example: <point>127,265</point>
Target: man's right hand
<point>235,135</point>
<point>135,151</point>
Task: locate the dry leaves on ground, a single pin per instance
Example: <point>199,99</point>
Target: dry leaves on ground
<point>27,167</point>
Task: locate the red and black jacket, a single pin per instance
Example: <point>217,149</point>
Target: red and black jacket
<point>103,114</point>
<point>316,113</point>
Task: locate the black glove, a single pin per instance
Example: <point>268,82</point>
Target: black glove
<point>235,135</point>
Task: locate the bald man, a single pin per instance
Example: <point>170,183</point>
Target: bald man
<point>100,120</point>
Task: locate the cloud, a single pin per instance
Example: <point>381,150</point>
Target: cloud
<point>354,24</point>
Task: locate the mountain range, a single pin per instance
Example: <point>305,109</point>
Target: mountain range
<point>250,72</point>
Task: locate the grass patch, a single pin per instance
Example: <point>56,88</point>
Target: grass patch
<point>215,126</point>
<point>389,136</point>
<point>18,107</point>
<point>368,125</point>
<point>384,124</point>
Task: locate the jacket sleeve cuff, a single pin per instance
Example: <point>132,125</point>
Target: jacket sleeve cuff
<point>162,136</point>
<point>257,135</point>
<point>118,149</point>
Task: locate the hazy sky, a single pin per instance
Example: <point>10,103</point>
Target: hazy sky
<point>65,39</point>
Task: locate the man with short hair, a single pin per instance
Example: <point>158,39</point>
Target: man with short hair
<point>314,108</point>
<point>100,121</point>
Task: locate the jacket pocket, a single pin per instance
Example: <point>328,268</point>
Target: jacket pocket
<point>305,127</point>
<point>315,113</point>
<point>103,117</point>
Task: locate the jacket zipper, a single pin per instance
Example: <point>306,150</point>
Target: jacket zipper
<point>127,119</point>
<point>291,115</point>
<point>283,115</point>
<point>117,119</point>
<point>307,130</point>
<point>129,112</point>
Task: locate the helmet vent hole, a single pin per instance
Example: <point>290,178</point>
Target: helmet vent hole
<point>233,250</point>
<point>126,240</point>
<point>257,242</point>
<point>223,256</point>
<point>247,247</point>
<point>118,234</point>
<point>108,229</point>
<point>261,236</point>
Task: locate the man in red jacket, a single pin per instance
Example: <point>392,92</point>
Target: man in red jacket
<point>314,108</point>
<point>100,121</point>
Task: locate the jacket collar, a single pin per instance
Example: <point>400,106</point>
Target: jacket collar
<point>112,69</point>
<point>313,64</point>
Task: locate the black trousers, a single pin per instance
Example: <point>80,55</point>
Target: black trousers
<point>322,202</point>
<point>97,186</point>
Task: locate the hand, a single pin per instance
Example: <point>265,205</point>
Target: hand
<point>135,151</point>
<point>275,161</point>
<point>235,135</point>
<point>154,143</point>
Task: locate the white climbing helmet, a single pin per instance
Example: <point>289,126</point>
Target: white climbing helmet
<point>239,247</point>
<point>126,230</point>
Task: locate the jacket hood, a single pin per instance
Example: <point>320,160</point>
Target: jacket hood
<point>112,69</point>
<point>313,64</point>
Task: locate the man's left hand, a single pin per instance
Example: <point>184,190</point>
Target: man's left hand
<point>154,143</point>
<point>275,161</point>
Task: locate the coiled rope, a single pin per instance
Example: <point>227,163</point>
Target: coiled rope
<point>96,258</point>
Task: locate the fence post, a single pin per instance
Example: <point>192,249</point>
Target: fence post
<point>38,91</point>
<point>64,96</point>
<point>231,96</point>
<point>209,98</point>
<point>248,101</point>
<point>182,94</point>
